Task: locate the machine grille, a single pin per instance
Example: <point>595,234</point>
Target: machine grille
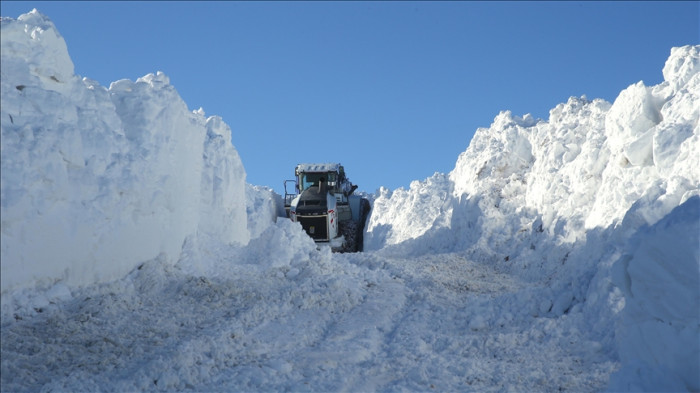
<point>315,226</point>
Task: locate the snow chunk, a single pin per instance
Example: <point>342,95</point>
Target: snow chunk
<point>263,207</point>
<point>682,64</point>
<point>388,224</point>
<point>33,45</point>
<point>634,113</point>
<point>282,244</point>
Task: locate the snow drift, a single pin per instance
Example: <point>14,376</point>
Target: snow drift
<point>95,180</point>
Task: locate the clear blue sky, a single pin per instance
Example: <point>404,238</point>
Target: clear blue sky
<point>392,90</point>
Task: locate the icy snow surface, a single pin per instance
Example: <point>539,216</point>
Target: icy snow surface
<point>558,255</point>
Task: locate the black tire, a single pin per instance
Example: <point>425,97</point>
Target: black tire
<point>349,230</point>
<point>364,212</point>
<point>360,240</point>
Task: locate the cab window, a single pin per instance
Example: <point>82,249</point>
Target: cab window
<point>311,179</point>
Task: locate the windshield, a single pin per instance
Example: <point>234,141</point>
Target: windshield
<point>311,179</point>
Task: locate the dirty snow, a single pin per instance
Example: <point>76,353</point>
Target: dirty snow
<point>136,258</point>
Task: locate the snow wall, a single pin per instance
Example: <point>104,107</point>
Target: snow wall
<point>96,181</point>
<point>571,199</point>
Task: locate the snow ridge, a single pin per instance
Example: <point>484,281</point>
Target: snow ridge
<point>581,169</point>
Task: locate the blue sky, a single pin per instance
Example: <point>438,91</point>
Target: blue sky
<point>392,90</point>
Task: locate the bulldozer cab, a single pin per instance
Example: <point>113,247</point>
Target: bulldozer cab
<point>322,202</point>
<point>309,176</point>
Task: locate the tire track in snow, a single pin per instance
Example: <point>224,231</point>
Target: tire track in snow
<point>358,335</point>
<point>468,327</point>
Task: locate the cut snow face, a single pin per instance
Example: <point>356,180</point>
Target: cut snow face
<point>135,256</point>
<point>95,180</point>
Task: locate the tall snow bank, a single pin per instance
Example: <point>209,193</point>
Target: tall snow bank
<point>96,180</point>
<point>582,169</point>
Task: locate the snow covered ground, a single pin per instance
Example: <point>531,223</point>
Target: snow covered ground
<point>324,322</point>
<point>558,255</point>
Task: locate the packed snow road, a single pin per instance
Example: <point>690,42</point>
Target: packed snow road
<point>350,322</point>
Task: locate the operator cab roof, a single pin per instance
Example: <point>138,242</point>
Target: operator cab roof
<point>327,167</point>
